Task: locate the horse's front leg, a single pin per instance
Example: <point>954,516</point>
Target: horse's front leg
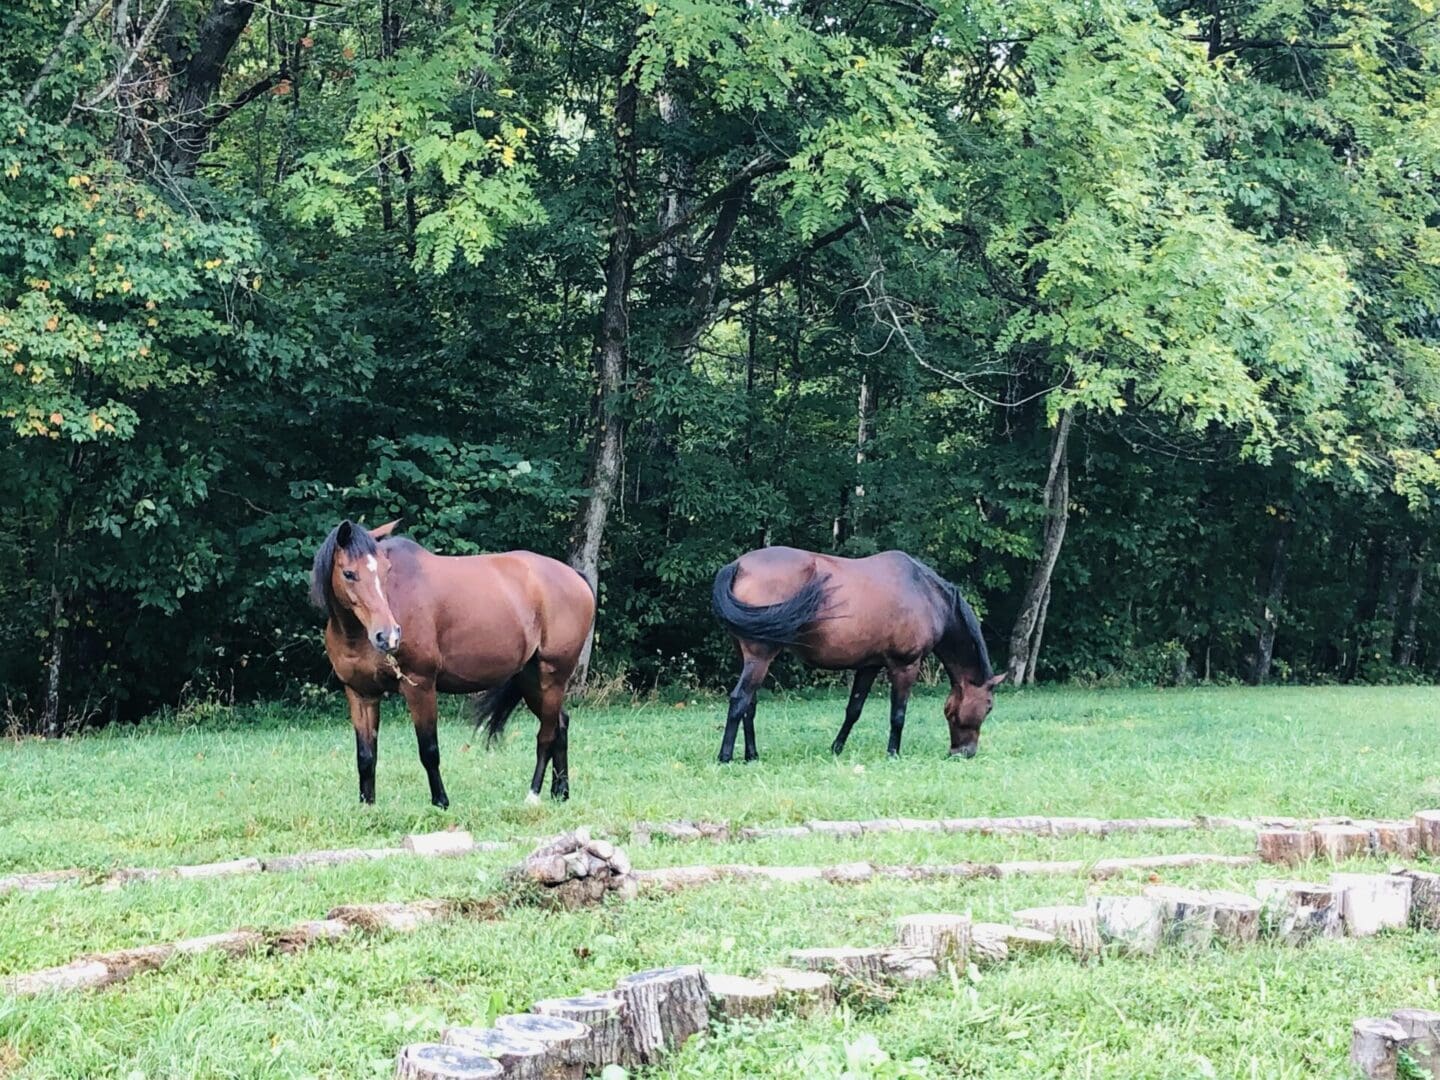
<point>365,717</point>
<point>859,691</point>
<point>902,680</point>
<point>420,696</point>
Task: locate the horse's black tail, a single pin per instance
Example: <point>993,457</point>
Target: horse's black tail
<point>783,623</point>
<point>493,707</point>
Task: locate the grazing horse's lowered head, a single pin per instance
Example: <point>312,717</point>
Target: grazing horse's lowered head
<point>965,710</point>
<point>349,580</point>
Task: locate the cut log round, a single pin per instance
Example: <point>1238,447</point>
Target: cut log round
<point>1424,898</point>
<point>1131,923</point>
<point>601,1014</point>
<point>846,962</point>
<point>734,998</point>
<point>1196,918</point>
<point>1297,912</point>
<point>521,1058</point>
<point>1428,822</point>
<point>805,993</point>
<point>1375,1048</point>
<point>663,1008</point>
<point>432,1061</point>
<point>947,937</point>
<point>994,943</point>
<point>1401,838</point>
<point>1285,847</point>
<point>1422,1037</point>
<point>1073,925</point>
<point>909,964</point>
<point>1340,842</point>
<point>1371,903</point>
<point>564,1041</point>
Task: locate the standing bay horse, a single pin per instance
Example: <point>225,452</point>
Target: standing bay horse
<point>885,611</point>
<point>403,618</point>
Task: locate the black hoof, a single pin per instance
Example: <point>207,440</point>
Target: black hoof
<point>751,757</point>
<point>892,753</point>
<point>367,800</point>
<point>442,802</point>
<point>724,759</point>
<point>560,794</point>
<point>837,748</point>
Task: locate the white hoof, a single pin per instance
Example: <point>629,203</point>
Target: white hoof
<point>531,799</point>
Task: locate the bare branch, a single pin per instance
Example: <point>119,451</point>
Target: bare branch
<point>78,22</point>
<point>760,166</point>
<point>141,45</point>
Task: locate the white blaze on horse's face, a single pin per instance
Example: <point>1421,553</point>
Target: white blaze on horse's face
<point>364,593</point>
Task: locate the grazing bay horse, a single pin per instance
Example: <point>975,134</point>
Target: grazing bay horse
<point>405,619</point>
<point>885,611</point>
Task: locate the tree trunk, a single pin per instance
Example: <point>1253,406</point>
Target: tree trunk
<point>1039,636</point>
<point>862,435</point>
<point>188,130</point>
<point>1023,639</point>
<point>1406,646</point>
<point>611,351</point>
<point>1269,618</point>
<point>51,721</point>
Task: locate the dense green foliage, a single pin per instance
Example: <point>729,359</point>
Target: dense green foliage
<point>874,268</point>
<point>215,784</point>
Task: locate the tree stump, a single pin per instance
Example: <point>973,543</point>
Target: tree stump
<point>1133,923</point>
<point>432,1061</point>
<point>1424,898</point>
<point>947,937</point>
<point>1428,822</point>
<point>1400,838</point>
<point>1285,847</point>
<point>1196,918</point>
<point>805,993</point>
<point>994,943</point>
<point>564,1041</point>
<point>866,964</point>
<point>663,1008</point>
<point>909,964</point>
<point>1375,1048</point>
<point>521,1058</point>
<point>1340,842</point>
<point>604,1044</point>
<point>1422,1037</point>
<point>1370,903</point>
<point>1297,912</point>
<point>734,998</point>
<point>1073,925</point>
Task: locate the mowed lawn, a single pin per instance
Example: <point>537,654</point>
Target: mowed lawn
<point>222,784</point>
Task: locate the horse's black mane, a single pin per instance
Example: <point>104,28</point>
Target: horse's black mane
<point>962,626</point>
<point>358,543</point>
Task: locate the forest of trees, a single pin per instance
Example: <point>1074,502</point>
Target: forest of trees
<point>1123,315</point>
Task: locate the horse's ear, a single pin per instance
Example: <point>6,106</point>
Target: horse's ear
<point>382,531</point>
<point>996,680</point>
<point>343,534</point>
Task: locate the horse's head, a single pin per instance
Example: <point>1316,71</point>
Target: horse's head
<point>350,574</point>
<point>965,710</point>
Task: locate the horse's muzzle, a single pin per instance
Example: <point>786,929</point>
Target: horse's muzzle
<point>965,751</point>
<point>386,640</point>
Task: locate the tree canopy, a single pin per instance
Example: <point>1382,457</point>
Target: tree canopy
<point>1121,315</point>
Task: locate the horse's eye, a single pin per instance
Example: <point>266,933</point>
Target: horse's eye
<point>350,575</point>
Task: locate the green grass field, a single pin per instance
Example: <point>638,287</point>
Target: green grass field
<point>277,780</point>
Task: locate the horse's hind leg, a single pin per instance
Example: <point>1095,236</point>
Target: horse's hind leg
<point>552,742</point>
<point>859,691</point>
<point>902,680</point>
<point>742,700</point>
